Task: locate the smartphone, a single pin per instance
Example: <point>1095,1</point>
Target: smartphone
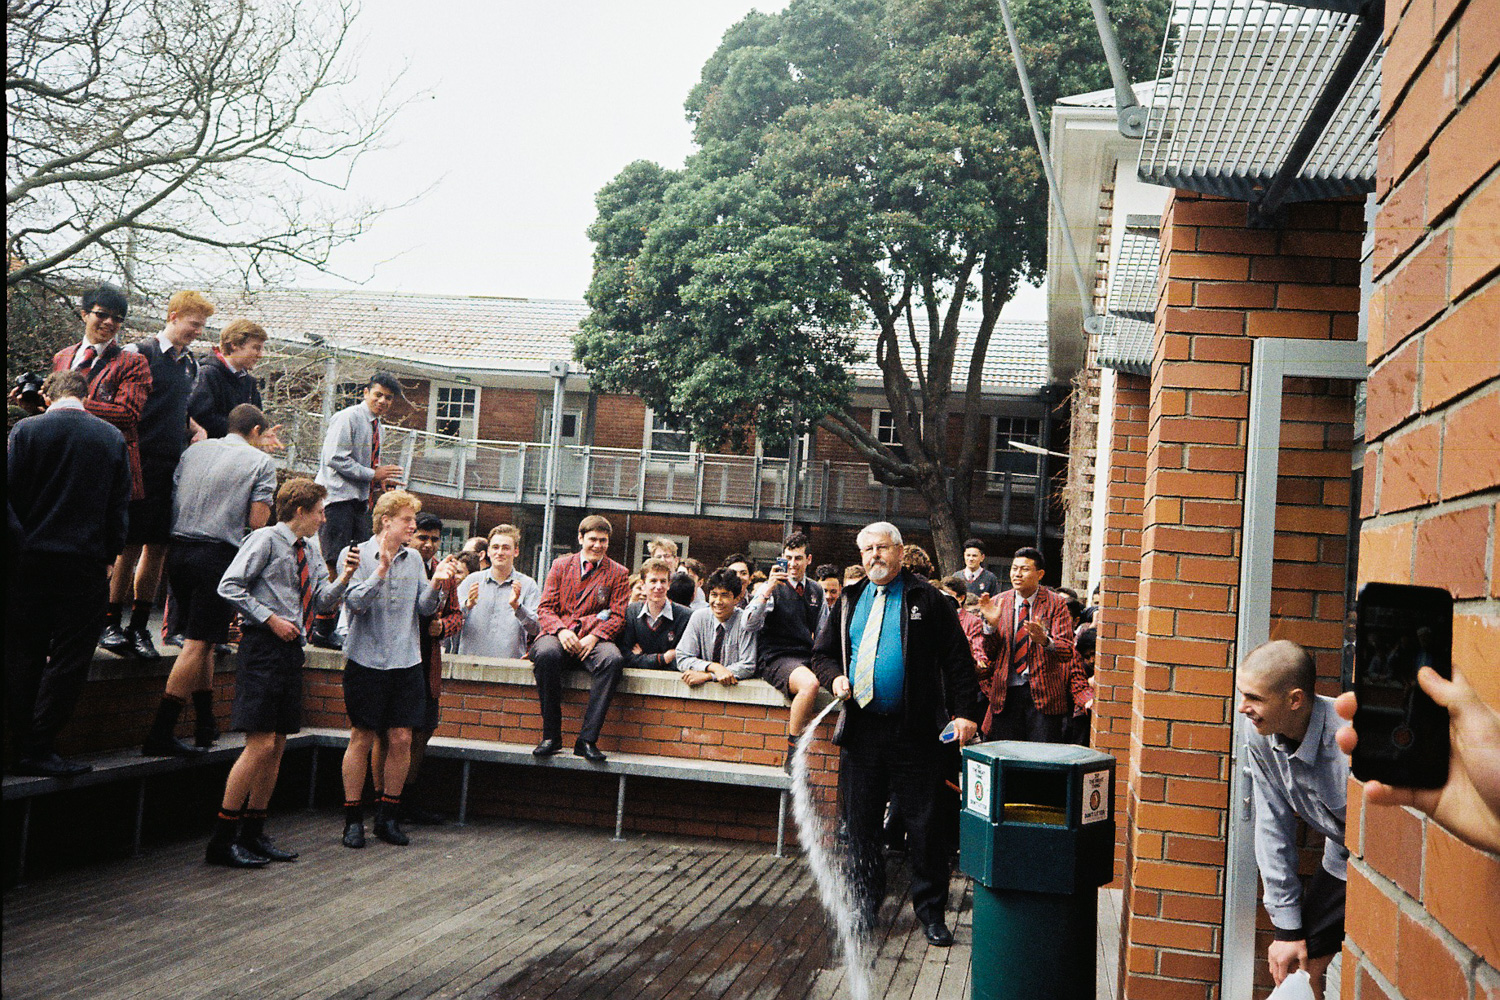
<point>782,564</point>
<point>1403,733</point>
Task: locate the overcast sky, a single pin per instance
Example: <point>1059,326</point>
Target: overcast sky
<point>529,109</point>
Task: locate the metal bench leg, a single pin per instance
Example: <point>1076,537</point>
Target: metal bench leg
<point>312,781</point>
<point>140,817</point>
<point>781,825</point>
<point>463,795</point>
<point>25,836</point>
<point>620,811</point>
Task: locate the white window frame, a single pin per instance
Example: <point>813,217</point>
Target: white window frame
<point>454,529</point>
<point>576,414</point>
<point>997,475</point>
<point>894,444</point>
<point>432,410</point>
<point>643,541</point>
<point>650,429</point>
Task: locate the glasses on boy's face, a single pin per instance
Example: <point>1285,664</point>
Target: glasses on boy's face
<point>105,316</point>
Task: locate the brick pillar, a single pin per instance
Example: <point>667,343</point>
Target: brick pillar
<point>1225,284</point>
<point>1422,904</point>
<point>1114,661</point>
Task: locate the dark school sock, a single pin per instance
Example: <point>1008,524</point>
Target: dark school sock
<point>140,611</point>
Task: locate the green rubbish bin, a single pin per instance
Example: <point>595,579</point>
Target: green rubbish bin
<point>1037,835</point>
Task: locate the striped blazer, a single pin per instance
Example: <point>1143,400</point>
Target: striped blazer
<point>591,605</point>
<point>119,382</point>
<point>1052,683</point>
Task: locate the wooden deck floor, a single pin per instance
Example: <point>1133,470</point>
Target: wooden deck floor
<point>493,910</point>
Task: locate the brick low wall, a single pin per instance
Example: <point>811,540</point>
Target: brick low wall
<point>653,712</point>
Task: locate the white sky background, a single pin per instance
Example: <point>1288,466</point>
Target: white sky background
<point>530,109</point>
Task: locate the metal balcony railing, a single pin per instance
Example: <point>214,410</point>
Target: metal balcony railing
<point>746,487</point>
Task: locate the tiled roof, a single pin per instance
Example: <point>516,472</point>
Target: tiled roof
<point>491,334</point>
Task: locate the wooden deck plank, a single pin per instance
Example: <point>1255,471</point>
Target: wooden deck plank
<point>531,911</point>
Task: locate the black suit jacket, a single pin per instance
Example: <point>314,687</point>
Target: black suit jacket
<point>217,391</point>
<point>939,681</point>
<point>69,481</point>
<point>653,643</point>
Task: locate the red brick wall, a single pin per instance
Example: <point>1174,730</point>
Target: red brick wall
<point>1114,663</point>
<point>1422,904</point>
<point>685,727</point>
<point>1225,284</point>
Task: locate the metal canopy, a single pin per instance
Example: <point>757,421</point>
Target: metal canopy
<point>1130,314</point>
<point>1241,79</point>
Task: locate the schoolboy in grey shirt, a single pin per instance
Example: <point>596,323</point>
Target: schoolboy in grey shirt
<point>277,582</point>
<point>719,644</point>
<point>1297,772</point>
<point>499,605</point>
<point>384,684</point>
<point>223,487</point>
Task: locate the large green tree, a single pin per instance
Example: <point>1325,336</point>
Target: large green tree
<point>860,163</point>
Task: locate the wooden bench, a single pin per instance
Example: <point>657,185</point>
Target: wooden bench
<point>621,765</point>
<point>129,765</point>
<point>122,765</point>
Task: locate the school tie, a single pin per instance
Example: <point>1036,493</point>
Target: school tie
<point>719,645</point>
<point>869,644</point>
<point>584,569</point>
<point>1018,653</point>
<point>374,458</point>
<point>304,581</point>
<point>799,590</point>
<point>86,358</point>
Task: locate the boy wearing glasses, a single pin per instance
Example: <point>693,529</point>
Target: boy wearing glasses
<point>118,380</point>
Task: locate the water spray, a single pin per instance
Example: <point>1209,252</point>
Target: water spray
<point>831,875</point>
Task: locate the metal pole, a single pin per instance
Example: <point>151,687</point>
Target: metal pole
<point>791,478</point>
<point>1085,292</point>
<point>1130,115</point>
<point>330,388</point>
<point>559,371</point>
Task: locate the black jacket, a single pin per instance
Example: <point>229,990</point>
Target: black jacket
<point>653,644</point>
<point>69,482</point>
<point>939,683</point>
<point>217,391</point>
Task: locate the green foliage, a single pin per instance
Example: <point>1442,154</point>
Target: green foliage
<point>857,157</point>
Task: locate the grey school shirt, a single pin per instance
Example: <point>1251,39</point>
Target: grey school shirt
<point>696,648</point>
<point>384,630</point>
<point>1308,781</point>
<point>215,483</point>
<point>344,464</point>
<point>262,580</point>
<point>491,626</point>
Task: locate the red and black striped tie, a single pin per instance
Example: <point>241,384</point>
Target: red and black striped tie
<point>304,581</point>
<point>374,459</point>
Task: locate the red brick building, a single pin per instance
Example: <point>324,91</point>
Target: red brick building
<point>475,437</point>
<point>1311,401</point>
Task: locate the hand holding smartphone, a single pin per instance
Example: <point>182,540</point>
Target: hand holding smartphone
<point>1403,733</point>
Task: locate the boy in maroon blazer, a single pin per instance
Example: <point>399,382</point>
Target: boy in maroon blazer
<point>1029,639</point>
<point>581,614</point>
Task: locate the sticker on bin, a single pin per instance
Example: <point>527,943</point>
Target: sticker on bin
<point>977,787</point>
<point>1095,797</point>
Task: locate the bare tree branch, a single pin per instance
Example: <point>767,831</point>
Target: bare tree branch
<point>197,125</point>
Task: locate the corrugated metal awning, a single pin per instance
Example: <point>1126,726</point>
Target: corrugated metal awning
<point>1130,312</point>
<point>1239,81</point>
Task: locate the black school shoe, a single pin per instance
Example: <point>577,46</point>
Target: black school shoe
<point>233,855</point>
<point>114,639</point>
<point>263,846</point>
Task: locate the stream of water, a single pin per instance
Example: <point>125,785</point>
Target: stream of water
<point>829,869</point>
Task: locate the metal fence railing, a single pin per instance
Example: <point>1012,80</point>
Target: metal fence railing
<point>696,483</point>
